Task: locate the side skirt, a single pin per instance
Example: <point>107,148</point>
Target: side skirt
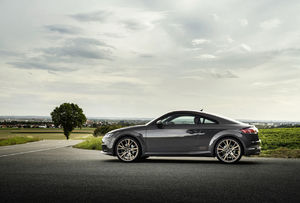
<point>202,153</point>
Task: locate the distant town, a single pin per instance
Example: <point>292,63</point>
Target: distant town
<point>46,122</point>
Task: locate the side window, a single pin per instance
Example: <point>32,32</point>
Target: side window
<point>208,121</point>
<point>179,120</point>
<point>184,120</point>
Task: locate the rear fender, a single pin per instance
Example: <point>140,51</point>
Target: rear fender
<point>225,133</point>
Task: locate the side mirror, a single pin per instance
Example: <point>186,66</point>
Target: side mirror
<point>159,124</point>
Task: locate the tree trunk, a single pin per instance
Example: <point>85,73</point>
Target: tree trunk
<point>67,133</point>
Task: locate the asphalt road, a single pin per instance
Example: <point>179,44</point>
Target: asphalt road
<point>50,171</point>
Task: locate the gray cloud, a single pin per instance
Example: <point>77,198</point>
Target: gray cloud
<point>35,65</point>
<point>146,55</point>
<point>63,29</point>
<point>6,53</point>
<point>133,24</point>
<point>74,50</point>
<point>226,74</point>
<point>98,16</point>
<point>88,48</point>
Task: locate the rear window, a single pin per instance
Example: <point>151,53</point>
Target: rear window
<point>207,121</point>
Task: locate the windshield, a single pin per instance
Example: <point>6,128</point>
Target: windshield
<point>151,121</point>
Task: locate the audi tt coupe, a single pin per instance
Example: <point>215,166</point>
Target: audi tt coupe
<point>184,133</point>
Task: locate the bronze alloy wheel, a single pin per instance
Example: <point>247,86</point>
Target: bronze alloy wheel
<point>128,149</point>
<point>228,150</point>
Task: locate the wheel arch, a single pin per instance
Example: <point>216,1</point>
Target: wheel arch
<point>233,136</point>
<point>137,138</point>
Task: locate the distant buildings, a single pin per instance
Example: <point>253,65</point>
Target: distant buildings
<point>42,123</point>
<point>46,122</point>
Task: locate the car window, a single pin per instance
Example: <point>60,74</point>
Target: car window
<point>207,121</point>
<point>179,120</point>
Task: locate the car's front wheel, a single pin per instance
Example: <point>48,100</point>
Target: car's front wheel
<point>228,150</point>
<point>128,149</point>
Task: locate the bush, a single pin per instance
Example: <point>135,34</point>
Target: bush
<point>94,143</point>
<point>102,130</point>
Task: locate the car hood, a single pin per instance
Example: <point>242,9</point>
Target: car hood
<point>135,127</point>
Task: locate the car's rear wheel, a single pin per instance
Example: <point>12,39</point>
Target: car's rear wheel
<point>128,149</point>
<point>228,150</point>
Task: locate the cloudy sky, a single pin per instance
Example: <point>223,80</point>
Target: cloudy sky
<point>143,58</point>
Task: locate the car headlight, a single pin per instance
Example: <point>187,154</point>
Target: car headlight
<point>107,135</point>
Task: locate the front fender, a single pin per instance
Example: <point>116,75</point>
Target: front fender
<point>138,135</point>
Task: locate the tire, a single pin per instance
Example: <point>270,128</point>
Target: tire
<point>128,149</point>
<point>228,150</point>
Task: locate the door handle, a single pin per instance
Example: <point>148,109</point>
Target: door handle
<point>193,131</point>
<point>190,131</point>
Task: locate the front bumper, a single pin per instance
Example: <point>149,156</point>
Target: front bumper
<point>107,145</point>
<point>253,149</point>
<point>106,150</point>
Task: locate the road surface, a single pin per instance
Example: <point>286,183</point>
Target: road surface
<point>48,171</point>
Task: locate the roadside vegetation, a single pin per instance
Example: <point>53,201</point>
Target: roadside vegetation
<point>93,143</point>
<point>17,140</point>
<point>45,133</point>
<point>280,142</point>
<point>102,130</point>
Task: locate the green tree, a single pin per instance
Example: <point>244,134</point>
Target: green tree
<point>69,116</point>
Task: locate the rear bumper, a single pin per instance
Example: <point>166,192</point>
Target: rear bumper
<point>253,149</point>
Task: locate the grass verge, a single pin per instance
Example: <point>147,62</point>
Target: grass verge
<point>94,143</point>
<point>276,138</point>
<point>17,140</point>
<point>45,133</point>
<point>280,142</point>
<point>281,152</point>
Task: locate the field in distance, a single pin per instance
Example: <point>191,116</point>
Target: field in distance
<point>45,133</point>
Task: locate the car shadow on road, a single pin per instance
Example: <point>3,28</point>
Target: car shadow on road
<point>187,161</point>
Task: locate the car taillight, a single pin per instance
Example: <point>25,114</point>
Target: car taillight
<point>250,130</point>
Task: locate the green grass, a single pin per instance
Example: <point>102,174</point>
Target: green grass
<point>91,143</point>
<point>17,140</point>
<point>45,133</point>
<point>281,152</point>
<point>280,142</point>
<point>275,138</point>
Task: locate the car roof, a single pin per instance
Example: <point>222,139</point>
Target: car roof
<point>220,119</point>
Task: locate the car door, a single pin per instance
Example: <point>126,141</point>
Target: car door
<point>176,135</point>
<point>206,128</point>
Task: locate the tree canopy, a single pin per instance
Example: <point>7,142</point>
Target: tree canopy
<point>69,116</point>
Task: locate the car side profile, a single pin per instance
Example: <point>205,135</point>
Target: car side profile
<point>184,133</point>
